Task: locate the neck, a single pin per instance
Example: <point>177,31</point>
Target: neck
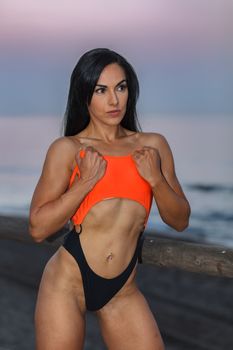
<point>106,133</point>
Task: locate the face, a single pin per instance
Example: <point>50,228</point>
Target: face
<point>110,94</point>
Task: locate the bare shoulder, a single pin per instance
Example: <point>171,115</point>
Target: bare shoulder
<point>56,172</point>
<point>153,139</point>
<point>62,150</point>
<point>63,143</point>
<point>160,142</point>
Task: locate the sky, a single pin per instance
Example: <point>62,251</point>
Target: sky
<point>181,50</point>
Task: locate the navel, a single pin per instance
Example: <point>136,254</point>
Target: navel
<point>109,257</point>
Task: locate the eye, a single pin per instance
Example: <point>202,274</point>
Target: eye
<point>122,87</point>
<point>100,90</point>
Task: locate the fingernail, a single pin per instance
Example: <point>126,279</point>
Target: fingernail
<point>82,153</point>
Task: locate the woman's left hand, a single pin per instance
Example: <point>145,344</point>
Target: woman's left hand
<point>148,163</point>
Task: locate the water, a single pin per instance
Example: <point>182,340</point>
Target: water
<point>202,151</point>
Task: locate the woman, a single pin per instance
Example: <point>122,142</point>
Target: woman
<point>103,175</point>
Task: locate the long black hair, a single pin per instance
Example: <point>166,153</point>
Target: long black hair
<point>82,84</point>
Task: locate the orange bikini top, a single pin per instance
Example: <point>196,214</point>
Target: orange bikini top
<point>121,179</point>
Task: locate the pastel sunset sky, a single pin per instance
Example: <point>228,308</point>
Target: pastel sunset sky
<point>181,50</point>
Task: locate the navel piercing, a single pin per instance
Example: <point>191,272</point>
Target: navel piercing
<point>110,256</point>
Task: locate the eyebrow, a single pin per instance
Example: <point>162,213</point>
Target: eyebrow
<point>124,80</point>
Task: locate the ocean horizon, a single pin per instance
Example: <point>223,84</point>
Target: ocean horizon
<point>202,151</point>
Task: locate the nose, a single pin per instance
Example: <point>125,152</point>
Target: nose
<point>113,98</point>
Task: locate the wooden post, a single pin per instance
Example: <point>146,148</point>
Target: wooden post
<point>194,257</point>
<point>169,252</point>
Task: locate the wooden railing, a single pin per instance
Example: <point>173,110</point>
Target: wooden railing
<point>194,257</point>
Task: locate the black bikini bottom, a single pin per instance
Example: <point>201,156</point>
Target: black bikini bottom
<point>99,290</point>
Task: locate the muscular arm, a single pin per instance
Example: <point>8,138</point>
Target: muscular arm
<point>172,204</point>
<point>52,204</point>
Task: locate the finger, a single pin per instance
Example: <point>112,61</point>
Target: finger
<point>136,156</point>
<point>81,153</point>
<point>139,153</point>
<point>139,149</point>
<point>148,147</point>
<point>95,151</point>
<point>89,149</point>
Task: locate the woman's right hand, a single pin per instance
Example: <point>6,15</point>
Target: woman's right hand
<point>91,165</point>
<point>54,202</point>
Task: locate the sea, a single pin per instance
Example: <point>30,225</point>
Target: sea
<point>202,148</point>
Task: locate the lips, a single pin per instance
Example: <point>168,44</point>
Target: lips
<point>114,111</point>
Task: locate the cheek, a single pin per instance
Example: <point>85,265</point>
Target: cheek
<point>124,98</point>
<point>95,104</point>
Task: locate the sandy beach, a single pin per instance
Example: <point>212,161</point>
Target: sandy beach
<point>193,311</point>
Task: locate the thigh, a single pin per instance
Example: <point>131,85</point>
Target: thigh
<point>128,324</point>
<point>59,323</point>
